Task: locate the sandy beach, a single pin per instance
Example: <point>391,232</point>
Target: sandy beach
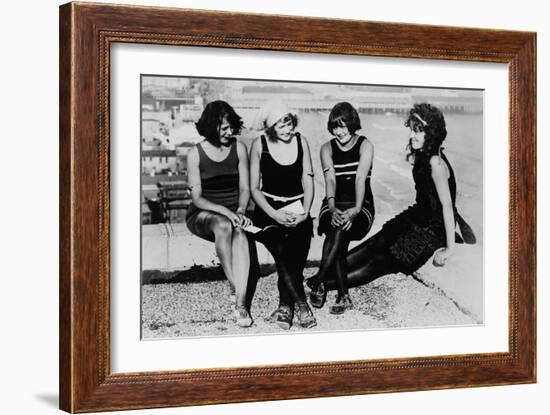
<point>204,308</point>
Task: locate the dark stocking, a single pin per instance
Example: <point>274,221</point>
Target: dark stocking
<point>298,249</point>
<point>360,254</point>
<point>378,265</point>
<point>289,289</point>
<point>366,262</point>
<point>335,248</point>
<point>289,269</point>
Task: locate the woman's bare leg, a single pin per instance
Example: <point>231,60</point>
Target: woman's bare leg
<point>223,240</point>
<point>240,264</point>
<point>229,243</point>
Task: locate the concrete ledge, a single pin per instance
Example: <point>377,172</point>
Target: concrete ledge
<point>457,281</point>
<point>171,247</point>
<point>172,254</point>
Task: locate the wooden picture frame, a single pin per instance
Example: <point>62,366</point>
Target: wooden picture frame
<point>86,33</point>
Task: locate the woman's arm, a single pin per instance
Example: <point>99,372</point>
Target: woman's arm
<point>330,176</point>
<point>366,152</point>
<point>307,176</point>
<point>194,179</point>
<point>244,183</point>
<point>440,176</point>
<point>282,218</point>
<point>330,184</point>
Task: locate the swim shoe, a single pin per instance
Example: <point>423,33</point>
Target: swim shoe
<point>318,295</point>
<point>242,317</point>
<point>342,304</point>
<point>305,317</point>
<point>282,317</point>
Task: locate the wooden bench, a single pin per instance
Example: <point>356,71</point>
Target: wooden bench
<point>173,195</point>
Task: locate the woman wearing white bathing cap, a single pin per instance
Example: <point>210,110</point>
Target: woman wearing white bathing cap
<point>281,182</point>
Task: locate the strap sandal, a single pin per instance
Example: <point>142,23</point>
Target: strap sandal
<point>305,316</point>
<point>282,317</point>
<point>311,282</point>
<point>318,295</point>
<point>232,293</point>
<point>242,316</point>
<point>342,304</point>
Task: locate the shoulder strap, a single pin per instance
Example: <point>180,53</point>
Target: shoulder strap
<point>333,145</point>
<point>265,148</point>
<point>202,154</point>
<point>357,147</point>
<point>233,156</point>
<point>300,148</point>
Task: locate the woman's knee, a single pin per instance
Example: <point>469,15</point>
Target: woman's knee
<point>338,232</point>
<point>337,238</point>
<point>279,252</point>
<point>222,227</point>
<point>240,233</point>
<point>367,248</point>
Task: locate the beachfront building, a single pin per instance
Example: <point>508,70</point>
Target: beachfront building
<point>154,127</point>
<point>384,101</point>
<point>185,132</point>
<point>159,161</point>
<point>253,97</point>
<point>159,85</point>
<point>451,101</point>
<point>274,92</point>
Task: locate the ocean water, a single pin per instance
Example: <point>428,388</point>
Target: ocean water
<point>392,182</point>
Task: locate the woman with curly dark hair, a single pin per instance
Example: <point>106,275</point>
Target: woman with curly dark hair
<point>217,168</point>
<point>410,239</point>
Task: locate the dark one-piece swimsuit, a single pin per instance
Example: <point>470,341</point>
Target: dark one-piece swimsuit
<point>281,186</point>
<point>219,182</point>
<point>345,168</point>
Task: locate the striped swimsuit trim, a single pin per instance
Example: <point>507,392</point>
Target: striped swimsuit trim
<point>368,214</point>
<point>349,173</point>
<point>323,210</point>
<point>338,166</point>
<point>344,169</point>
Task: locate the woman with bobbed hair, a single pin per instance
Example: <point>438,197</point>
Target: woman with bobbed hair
<point>347,211</point>
<point>217,168</point>
<point>409,240</point>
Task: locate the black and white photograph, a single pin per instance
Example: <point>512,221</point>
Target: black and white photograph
<point>277,206</point>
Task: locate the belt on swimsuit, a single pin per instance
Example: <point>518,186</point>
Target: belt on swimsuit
<point>282,198</point>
